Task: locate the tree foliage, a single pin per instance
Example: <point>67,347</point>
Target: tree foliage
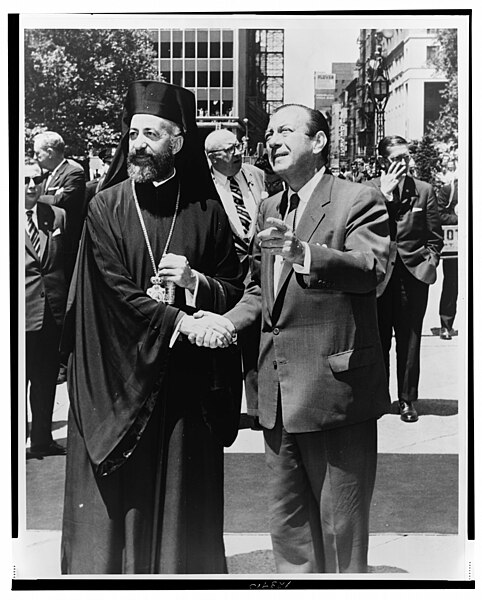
<point>426,159</point>
<point>445,127</point>
<point>76,80</point>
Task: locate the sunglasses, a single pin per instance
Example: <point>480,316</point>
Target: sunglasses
<point>38,179</point>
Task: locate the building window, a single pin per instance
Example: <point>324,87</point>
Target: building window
<point>215,79</point>
<point>228,49</point>
<point>214,108</point>
<point>202,79</point>
<point>227,79</point>
<point>202,108</point>
<point>202,49</point>
<point>177,49</point>
<point>227,108</point>
<point>190,79</point>
<point>177,78</point>
<point>190,49</point>
<point>431,53</point>
<point>165,49</point>
<point>215,49</point>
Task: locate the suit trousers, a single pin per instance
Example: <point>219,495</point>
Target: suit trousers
<point>448,298</point>
<point>401,309</point>
<point>42,367</point>
<point>321,484</point>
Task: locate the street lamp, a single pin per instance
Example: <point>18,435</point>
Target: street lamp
<point>378,83</point>
<point>246,136</point>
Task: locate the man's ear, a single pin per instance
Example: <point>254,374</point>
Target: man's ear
<point>319,142</point>
<point>177,143</point>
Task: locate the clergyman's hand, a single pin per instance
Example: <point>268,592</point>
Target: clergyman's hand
<point>280,239</point>
<point>176,268</point>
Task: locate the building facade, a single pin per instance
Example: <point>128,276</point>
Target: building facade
<point>236,75</point>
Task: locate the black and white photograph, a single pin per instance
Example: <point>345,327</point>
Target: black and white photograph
<point>244,252</point>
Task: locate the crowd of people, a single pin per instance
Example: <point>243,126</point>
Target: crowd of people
<point>180,277</point>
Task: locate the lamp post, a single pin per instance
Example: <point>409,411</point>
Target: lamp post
<point>378,83</point>
<point>246,136</point>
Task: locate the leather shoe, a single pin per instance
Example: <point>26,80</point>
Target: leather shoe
<point>52,449</point>
<point>408,414</point>
<point>445,334</point>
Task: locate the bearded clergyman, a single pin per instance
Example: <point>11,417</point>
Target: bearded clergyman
<point>150,411</point>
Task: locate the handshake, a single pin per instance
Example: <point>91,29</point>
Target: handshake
<point>208,330</point>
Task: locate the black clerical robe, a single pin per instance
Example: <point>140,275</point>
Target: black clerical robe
<point>144,480</point>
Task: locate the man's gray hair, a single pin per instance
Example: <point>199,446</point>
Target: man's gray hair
<point>50,139</point>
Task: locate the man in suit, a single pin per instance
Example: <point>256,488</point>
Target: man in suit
<point>416,243</point>
<point>320,252</point>
<point>95,185</point>
<point>241,188</point>
<point>64,187</point>
<point>448,206</point>
<point>45,298</point>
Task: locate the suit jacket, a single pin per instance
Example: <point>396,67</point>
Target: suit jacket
<point>70,176</point>
<point>255,180</point>
<point>45,274</point>
<point>448,199</point>
<point>319,339</point>
<point>419,239</point>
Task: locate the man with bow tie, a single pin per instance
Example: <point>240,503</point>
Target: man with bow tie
<point>45,299</point>
<point>320,251</point>
<point>64,186</point>
<point>416,243</point>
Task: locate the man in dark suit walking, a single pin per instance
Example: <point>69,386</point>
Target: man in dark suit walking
<point>448,206</point>
<point>45,298</point>
<point>320,251</point>
<point>416,243</point>
<point>63,187</point>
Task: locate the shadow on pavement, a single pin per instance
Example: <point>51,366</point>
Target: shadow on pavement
<point>439,408</point>
<point>262,561</point>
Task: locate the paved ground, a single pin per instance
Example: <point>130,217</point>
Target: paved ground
<point>440,430</point>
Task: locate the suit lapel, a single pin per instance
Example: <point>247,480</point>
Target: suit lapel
<point>312,216</point>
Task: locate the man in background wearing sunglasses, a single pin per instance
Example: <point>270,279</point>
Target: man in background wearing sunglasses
<point>416,241</point>
<point>45,299</point>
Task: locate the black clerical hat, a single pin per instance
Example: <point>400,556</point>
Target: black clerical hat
<point>162,100</point>
<point>170,102</point>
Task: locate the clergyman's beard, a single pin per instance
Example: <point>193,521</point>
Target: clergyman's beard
<point>143,167</point>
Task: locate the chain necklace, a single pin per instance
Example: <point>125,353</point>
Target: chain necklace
<point>158,292</point>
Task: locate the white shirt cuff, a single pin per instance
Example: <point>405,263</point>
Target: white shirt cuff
<point>388,196</point>
<point>191,296</point>
<point>176,333</point>
<point>304,269</point>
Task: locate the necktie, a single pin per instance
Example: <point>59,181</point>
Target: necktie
<point>33,232</point>
<point>243,214</point>
<point>291,216</point>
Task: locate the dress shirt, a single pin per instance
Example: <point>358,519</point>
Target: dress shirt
<point>304,195</point>
<point>52,174</point>
<point>222,184</point>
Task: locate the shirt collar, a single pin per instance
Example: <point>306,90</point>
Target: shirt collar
<point>52,173</point>
<point>159,183</point>
<point>33,209</point>
<point>222,179</point>
<point>305,192</point>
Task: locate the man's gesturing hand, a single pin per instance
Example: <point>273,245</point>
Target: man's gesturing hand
<point>174,267</point>
<point>280,239</point>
